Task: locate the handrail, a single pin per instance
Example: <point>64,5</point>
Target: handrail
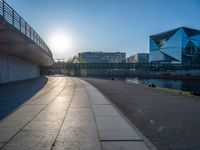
<point>8,14</point>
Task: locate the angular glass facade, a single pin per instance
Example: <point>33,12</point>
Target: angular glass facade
<point>181,45</point>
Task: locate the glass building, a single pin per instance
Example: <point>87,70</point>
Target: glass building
<point>138,58</point>
<point>181,45</point>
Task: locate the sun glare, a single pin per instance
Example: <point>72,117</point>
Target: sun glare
<point>60,42</point>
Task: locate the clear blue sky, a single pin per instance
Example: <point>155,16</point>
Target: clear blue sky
<point>107,25</point>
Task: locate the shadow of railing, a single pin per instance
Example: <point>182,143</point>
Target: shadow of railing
<point>14,94</point>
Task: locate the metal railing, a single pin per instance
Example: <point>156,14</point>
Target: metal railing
<point>136,66</point>
<point>15,20</point>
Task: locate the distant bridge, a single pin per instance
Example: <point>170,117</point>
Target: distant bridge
<point>127,66</point>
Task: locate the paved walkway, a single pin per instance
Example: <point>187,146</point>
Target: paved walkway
<point>68,113</point>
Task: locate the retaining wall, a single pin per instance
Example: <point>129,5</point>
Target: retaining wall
<point>13,68</point>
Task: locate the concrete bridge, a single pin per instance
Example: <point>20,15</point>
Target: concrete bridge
<point>22,50</point>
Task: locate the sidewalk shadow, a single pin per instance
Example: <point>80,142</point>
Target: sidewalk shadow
<point>14,94</point>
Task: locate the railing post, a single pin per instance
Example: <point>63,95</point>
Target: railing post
<point>34,36</point>
<point>3,10</point>
<point>25,29</point>
<point>37,39</point>
<point>13,20</point>
<point>30,32</point>
<point>20,24</point>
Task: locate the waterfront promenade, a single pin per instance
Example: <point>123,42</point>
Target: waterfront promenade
<point>171,121</point>
<point>62,113</point>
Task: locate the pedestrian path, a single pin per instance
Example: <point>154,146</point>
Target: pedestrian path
<point>68,114</point>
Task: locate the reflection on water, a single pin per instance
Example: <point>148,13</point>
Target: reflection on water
<point>185,85</point>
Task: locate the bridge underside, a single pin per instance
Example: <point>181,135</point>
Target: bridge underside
<point>13,42</point>
<point>20,57</point>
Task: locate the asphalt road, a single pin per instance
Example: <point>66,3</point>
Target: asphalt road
<point>170,121</point>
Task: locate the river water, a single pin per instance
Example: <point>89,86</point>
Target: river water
<point>184,85</point>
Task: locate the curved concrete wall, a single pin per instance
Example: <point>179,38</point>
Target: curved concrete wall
<point>14,68</point>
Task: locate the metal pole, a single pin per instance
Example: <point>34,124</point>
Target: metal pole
<point>20,24</point>
<point>25,29</point>
<point>30,32</point>
<point>3,10</point>
<point>13,21</point>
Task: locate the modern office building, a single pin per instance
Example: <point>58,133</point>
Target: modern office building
<point>138,58</point>
<point>102,57</point>
<point>181,45</point>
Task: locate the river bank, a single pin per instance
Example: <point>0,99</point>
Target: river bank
<point>187,87</point>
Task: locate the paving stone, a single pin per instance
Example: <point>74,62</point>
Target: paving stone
<point>64,97</point>
<point>79,112</point>
<point>68,90</point>
<point>27,111</point>
<point>80,103</point>
<point>105,110</point>
<point>29,140</point>
<point>90,88</point>
<point>85,122</point>
<point>130,145</point>
<point>1,144</point>
<point>80,96</point>
<point>97,98</point>
<point>82,81</point>
<point>79,117</point>
<point>43,125</point>
<point>118,134</point>
<point>112,123</point>
<point>115,128</point>
<point>41,101</point>
<point>78,139</point>
<point>57,106</point>
<point>14,122</point>
<point>80,90</point>
<point>44,91</point>
<point>7,133</point>
<point>51,115</point>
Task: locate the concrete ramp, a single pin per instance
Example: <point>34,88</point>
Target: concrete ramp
<point>22,50</point>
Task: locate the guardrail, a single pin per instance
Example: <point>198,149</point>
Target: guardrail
<point>15,20</point>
